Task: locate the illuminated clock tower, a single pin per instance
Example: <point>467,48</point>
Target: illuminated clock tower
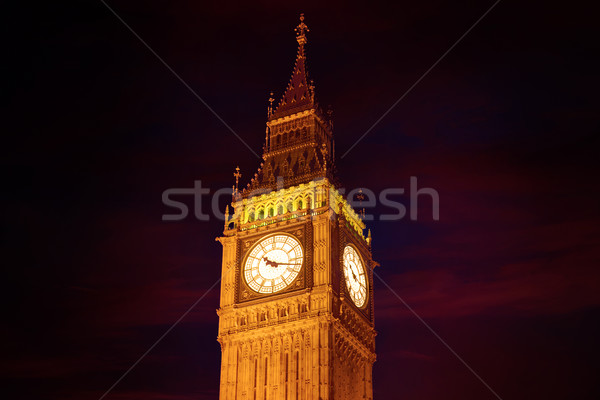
<point>296,311</point>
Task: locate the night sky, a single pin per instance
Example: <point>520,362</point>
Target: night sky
<point>505,128</point>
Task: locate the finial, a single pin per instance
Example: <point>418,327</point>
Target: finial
<point>301,30</point>
<point>360,198</point>
<point>369,239</point>
<point>270,109</point>
<point>237,176</point>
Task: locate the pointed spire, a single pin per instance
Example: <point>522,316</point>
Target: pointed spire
<point>300,92</point>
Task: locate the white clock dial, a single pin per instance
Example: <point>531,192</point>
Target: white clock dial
<point>354,274</point>
<point>273,263</point>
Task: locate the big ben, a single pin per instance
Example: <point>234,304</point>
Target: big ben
<point>296,308</point>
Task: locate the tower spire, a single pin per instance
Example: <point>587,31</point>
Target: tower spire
<point>300,92</point>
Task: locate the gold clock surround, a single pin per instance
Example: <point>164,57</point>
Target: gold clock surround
<point>355,276</point>
<point>244,293</point>
<point>273,263</point>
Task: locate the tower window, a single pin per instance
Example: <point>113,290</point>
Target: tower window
<point>287,374</point>
<point>266,370</point>
<point>297,374</point>
<point>255,376</point>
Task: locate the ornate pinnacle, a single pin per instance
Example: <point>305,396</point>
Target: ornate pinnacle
<point>271,100</point>
<point>237,176</point>
<point>301,30</point>
<point>360,198</point>
<point>324,152</point>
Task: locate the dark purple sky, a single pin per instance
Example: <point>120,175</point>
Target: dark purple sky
<point>505,128</point>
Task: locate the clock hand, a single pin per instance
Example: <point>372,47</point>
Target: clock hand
<point>273,264</point>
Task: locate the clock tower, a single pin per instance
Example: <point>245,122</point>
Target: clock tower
<point>296,310</point>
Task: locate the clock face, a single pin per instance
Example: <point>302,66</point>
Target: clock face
<point>354,274</point>
<point>273,263</point>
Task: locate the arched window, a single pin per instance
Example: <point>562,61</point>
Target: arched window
<point>300,205</point>
<point>289,207</point>
<point>251,216</point>
<point>280,209</point>
<point>261,213</point>
<point>271,211</point>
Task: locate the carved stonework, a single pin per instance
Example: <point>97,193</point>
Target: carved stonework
<point>228,287</point>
